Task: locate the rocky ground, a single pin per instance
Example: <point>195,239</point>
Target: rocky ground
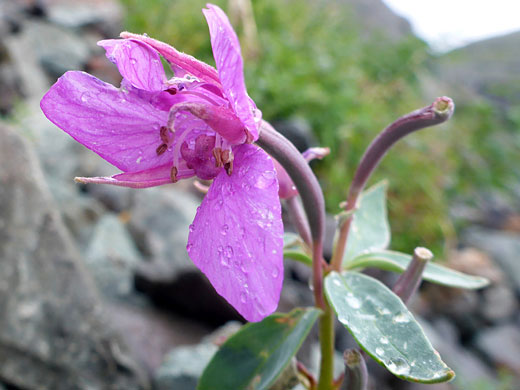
<point>96,289</point>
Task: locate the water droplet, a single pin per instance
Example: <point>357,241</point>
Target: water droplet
<point>401,318</point>
<point>405,345</point>
<point>228,251</point>
<point>223,258</point>
<point>380,351</point>
<point>218,205</point>
<point>242,232</point>
<point>275,272</point>
<point>353,302</point>
<point>189,247</point>
<point>337,282</point>
<point>133,61</point>
<point>224,229</point>
<point>385,311</point>
<point>192,228</point>
<point>383,340</point>
<point>85,97</point>
<point>398,366</point>
<point>274,251</point>
<point>243,297</point>
<point>265,180</point>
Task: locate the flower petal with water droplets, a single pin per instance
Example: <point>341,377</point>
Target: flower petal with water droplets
<point>228,57</point>
<point>237,235</point>
<point>119,126</point>
<point>137,62</point>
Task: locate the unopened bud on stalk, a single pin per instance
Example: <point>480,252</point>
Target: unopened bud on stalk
<point>409,281</point>
<point>356,375</point>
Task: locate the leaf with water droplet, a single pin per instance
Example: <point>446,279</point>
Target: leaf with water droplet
<point>384,328</point>
<point>257,354</point>
<point>434,273</point>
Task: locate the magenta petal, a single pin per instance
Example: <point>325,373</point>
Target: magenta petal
<point>137,62</point>
<point>180,60</point>
<point>119,126</point>
<point>237,236</point>
<point>226,50</point>
<point>143,179</point>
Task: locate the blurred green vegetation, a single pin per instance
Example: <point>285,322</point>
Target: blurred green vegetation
<point>315,62</point>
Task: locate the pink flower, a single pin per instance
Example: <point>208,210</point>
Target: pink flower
<point>199,123</point>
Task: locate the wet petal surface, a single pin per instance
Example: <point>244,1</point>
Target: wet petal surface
<point>237,236</point>
<point>119,126</point>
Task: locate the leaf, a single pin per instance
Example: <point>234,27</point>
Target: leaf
<point>256,355</point>
<point>384,328</point>
<point>295,249</point>
<point>369,229</point>
<point>435,273</point>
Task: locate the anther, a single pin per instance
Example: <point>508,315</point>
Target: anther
<point>161,149</point>
<point>164,135</point>
<point>173,174</point>
<point>217,153</point>
<point>229,167</point>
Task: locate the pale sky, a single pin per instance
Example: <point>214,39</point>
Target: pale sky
<point>446,24</point>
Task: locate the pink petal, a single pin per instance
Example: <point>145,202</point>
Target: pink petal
<point>137,62</point>
<point>226,50</point>
<point>148,178</point>
<point>119,126</point>
<point>237,236</point>
<point>189,64</point>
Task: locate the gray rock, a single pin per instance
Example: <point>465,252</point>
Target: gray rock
<point>504,247</point>
<point>183,367</point>
<point>502,346</point>
<point>74,14</point>
<point>52,332</point>
<point>500,303</point>
<point>112,257</point>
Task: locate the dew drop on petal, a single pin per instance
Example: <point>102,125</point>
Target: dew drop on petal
<point>192,228</point>
<point>224,229</point>
<point>228,252</point>
<point>380,351</point>
<point>275,273</point>
<point>383,340</point>
<point>243,297</point>
<point>189,247</point>
<point>133,61</point>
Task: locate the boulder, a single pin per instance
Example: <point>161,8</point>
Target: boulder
<point>53,333</point>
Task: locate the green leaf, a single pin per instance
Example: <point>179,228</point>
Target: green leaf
<point>295,249</point>
<point>384,328</point>
<point>435,273</point>
<point>257,354</point>
<point>369,229</point>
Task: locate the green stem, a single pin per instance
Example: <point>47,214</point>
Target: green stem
<point>326,327</point>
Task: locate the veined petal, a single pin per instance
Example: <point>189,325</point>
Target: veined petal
<point>119,126</point>
<point>143,179</point>
<point>237,236</point>
<point>137,62</point>
<point>228,57</point>
<point>189,64</point>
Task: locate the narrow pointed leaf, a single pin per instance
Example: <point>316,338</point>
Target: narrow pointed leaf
<point>256,355</point>
<point>295,249</point>
<point>369,229</point>
<point>384,328</point>
<point>435,273</point>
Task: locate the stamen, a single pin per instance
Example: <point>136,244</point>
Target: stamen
<point>173,174</point>
<point>217,153</point>
<point>161,149</point>
<point>164,135</point>
<point>229,168</point>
